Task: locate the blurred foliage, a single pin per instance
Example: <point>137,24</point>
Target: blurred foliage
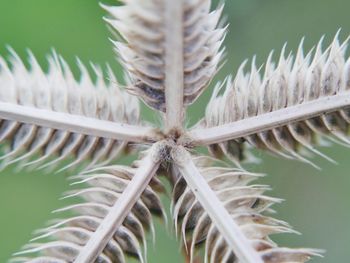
<point>317,201</point>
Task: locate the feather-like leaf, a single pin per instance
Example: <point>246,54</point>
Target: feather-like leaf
<point>142,25</point>
<point>58,91</point>
<point>64,239</point>
<point>246,205</point>
<point>285,85</point>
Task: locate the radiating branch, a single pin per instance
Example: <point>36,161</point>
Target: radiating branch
<point>117,214</point>
<point>215,209</point>
<point>77,123</point>
<point>267,121</point>
<point>174,75</point>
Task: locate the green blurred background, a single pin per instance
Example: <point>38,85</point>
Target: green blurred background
<point>317,202</point>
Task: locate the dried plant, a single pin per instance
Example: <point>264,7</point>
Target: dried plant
<point>170,50</point>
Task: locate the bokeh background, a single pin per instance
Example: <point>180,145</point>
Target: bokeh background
<point>317,202</point>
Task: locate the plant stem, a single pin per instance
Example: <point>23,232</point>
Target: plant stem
<point>174,75</point>
<point>77,123</point>
<point>233,235</point>
<point>267,121</point>
<point>122,207</point>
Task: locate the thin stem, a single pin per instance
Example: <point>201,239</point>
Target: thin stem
<point>121,208</point>
<point>174,75</point>
<point>215,209</point>
<point>267,121</point>
<point>77,123</point>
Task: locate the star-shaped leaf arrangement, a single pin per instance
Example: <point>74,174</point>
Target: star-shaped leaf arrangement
<point>171,51</point>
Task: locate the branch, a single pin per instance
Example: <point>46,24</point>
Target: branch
<point>267,121</point>
<point>122,207</point>
<point>77,123</point>
<point>212,205</point>
<point>174,75</point>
